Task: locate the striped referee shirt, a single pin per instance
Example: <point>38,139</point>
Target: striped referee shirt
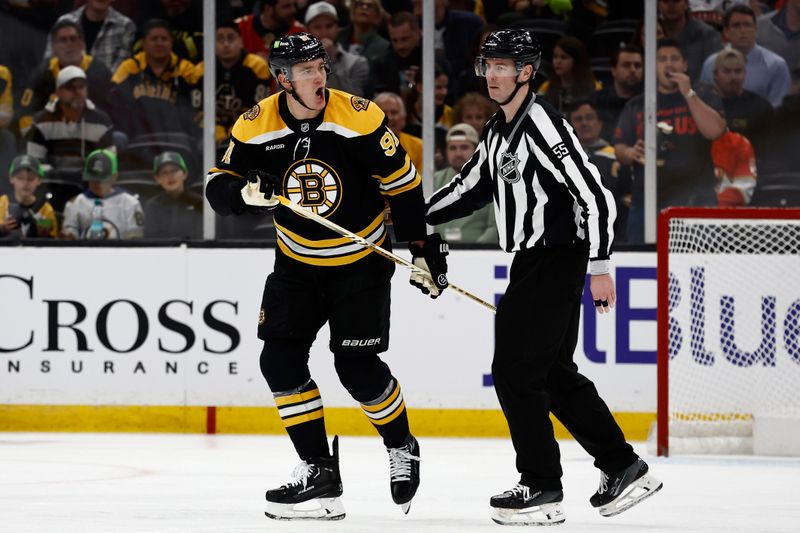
<point>544,188</point>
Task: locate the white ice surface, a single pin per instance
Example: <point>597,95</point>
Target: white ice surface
<point>61,482</point>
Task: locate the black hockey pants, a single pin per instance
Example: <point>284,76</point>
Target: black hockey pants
<point>534,372</point>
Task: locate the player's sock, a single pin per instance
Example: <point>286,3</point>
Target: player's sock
<point>302,415</point>
<point>388,414</point>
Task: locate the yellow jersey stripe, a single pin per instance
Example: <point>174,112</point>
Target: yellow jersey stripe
<point>296,398</point>
<point>385,403</point>
<point>332,261</point>
<point>391,417</point>
<point>331,243</point>
<point>316,415</point>
<point>397,174</point>
<point>414,183</point>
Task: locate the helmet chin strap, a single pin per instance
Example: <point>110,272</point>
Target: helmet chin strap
<point>517,87</point>
<point>293,94</point>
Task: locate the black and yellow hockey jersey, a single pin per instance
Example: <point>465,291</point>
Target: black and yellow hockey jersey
<point>340,165</point>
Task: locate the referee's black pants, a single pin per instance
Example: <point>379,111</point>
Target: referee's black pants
<point>534,372</point>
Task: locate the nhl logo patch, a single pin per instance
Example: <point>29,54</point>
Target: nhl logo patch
<point>304,127</point>
<point>509,168</point>
<point>359,103</point>
<point>252,113</point>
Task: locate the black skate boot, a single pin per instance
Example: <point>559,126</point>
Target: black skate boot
<point>525,506</point>
<point>316,481</point>
<point>622,490</point>
<point>404,472</point>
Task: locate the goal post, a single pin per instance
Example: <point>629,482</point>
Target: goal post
<point>728,313</point>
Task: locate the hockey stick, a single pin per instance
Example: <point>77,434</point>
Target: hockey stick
<point>374,247</point>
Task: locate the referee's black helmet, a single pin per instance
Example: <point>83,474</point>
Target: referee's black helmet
<point>295,48</point>
<point>519,45</point>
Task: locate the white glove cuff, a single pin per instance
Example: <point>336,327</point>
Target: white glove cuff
<point>599,267</point>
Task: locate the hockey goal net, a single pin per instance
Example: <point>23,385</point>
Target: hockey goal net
<point>728,331</point>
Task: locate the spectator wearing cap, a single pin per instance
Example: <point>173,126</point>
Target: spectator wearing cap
<point>479,227</point>
<point>152,89</point>
<point>174,212</point>
<point>766,72</point>
<point>121,213</point>
<point>69,127</point>
<point>68,45</point>
<point>779,31</point>
<point>349,72</point>
<point>361,37</point>
<point>746,112</point>
<point>242,79</point>
<point>276,19</point>
<point>108,34</point>
<point>23,213</point>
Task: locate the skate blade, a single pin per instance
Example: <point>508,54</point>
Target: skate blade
<point>639,490</point>
<point>548,514</point>
<point>406,507</point>
<point>328,509</point>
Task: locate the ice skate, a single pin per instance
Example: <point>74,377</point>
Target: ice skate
<point>524,506</point>
<point>621,491</point>
<point>313,494</point>
<point>404,472</point>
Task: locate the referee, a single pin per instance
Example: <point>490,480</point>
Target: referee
<point>553,213</point>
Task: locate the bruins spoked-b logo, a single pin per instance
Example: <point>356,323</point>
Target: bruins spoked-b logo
<point>509,168</point>
<point>314,185</point>
<point>359,103</point>
<point>252,113</point>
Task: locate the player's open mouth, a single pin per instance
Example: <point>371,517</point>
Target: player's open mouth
<point>321,93</point>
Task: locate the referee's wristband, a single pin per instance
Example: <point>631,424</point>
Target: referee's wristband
<point>599,267</point>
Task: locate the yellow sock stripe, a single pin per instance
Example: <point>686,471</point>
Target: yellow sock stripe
<point>300,419</point>
<point>296,398</point>
<point>385,403</point>
<point>386,420</point>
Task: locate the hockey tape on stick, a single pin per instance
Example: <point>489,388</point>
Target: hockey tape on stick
<point>375,248</point>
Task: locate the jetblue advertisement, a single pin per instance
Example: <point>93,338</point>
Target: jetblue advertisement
<point>177,326</point>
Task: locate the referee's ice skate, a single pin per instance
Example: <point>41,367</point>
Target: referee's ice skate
<point>521,506</point>
<point>622,490</point>
<point>313,494</point>
<point>404,472</point>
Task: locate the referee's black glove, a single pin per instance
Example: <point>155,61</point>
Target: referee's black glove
<point>259,190</point>
<point>431,258</point>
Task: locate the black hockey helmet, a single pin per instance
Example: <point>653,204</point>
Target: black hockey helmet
<point>519,45</point>
<point>295,48</point>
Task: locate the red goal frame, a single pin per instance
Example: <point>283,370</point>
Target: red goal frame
<point>662,280</point>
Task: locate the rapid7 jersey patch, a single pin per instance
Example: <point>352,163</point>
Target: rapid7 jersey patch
<point>561,150</point>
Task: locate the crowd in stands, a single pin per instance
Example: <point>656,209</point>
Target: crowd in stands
<point>101,100</point>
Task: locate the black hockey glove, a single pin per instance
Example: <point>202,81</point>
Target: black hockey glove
<point>432,258</point>
<point>259,190</point>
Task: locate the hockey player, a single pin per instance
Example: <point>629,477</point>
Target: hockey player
<point>332,153</point>
<point>552,211</point>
